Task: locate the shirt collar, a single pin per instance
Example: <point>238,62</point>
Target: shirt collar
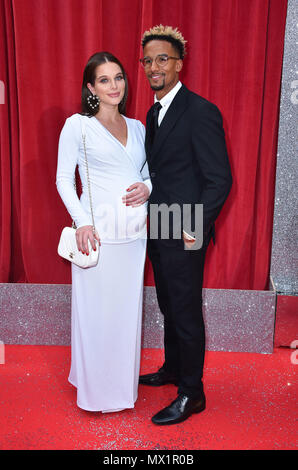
<point>168,98</point>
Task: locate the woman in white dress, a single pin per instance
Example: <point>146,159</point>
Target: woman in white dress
<point>107,298</point>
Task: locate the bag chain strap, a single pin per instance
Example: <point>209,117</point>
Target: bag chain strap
<point>88,180</point>
<point>89,186</point>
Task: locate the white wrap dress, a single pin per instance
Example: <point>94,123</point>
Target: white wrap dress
<point>106,299</point>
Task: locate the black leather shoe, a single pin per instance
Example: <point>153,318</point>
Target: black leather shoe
<point>180,409</point>
<point>161,377</point>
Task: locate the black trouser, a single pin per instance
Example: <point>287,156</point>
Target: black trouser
<point>178,275</point>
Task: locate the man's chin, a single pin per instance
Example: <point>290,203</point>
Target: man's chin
<point>157,87</point>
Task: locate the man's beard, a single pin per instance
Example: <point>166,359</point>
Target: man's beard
<point>158,87</point>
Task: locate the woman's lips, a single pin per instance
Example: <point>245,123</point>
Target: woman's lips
<point>114,95</point>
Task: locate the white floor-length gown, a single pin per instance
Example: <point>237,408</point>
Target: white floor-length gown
<point>106,299</point>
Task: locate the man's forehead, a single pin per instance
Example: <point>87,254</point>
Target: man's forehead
<point>158,47</point>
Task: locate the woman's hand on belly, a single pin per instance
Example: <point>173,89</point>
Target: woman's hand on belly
<point>139,193</point>
<point>83,234</point>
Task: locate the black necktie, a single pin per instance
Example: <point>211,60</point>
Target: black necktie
<point>156,108</point>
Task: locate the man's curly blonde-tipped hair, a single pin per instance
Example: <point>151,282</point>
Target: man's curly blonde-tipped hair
<point>166,33</point>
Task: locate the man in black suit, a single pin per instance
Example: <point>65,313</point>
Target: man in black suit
<point>188,164</point>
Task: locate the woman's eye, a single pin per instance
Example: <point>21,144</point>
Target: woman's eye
<point>120,77</point>
<point>103,80</point>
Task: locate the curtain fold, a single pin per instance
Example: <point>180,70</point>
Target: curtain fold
<point>234,59</point>
<point>11,259</point>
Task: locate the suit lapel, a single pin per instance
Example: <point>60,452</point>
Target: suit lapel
<point>148,136</point>
<point>176,109</point>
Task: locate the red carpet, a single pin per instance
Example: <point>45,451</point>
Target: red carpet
<point>251,401</point>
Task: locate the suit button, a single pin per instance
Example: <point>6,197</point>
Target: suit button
<point>152,174</point>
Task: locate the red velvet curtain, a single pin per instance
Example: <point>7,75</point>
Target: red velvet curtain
<point>234,59</point>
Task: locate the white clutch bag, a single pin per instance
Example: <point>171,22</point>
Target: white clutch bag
<point>67,247</point>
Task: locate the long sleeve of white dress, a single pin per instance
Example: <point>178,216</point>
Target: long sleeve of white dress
<point>68,158</point>
<point>112,169</point>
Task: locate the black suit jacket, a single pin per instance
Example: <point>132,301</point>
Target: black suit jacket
<point>188,161</point>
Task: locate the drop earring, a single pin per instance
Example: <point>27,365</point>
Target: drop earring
<point>93,101</point>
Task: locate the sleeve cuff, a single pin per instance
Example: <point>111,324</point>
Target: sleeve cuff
<point>148,183</point>
<point>187,236</point>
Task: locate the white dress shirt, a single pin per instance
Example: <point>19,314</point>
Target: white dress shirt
<point>167,100</point>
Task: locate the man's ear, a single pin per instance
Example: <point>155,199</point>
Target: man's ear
<point>179,65</point>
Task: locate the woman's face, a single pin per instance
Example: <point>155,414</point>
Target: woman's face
<point>109,84</point>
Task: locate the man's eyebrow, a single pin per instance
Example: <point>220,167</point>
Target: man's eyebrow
<point>162,53</point>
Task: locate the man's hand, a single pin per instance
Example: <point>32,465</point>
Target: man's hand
<point>139,193</point>
<point>188,240</point>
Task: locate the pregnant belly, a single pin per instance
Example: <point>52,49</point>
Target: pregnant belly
<point>113,219</point>
<point>116,221</point>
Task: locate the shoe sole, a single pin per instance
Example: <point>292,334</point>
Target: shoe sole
<point>180,420</point>
<point>159,385</point>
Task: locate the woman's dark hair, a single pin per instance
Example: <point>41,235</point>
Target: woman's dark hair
<point>96,59</point>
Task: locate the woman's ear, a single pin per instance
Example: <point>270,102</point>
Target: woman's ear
<point>90,88</point>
